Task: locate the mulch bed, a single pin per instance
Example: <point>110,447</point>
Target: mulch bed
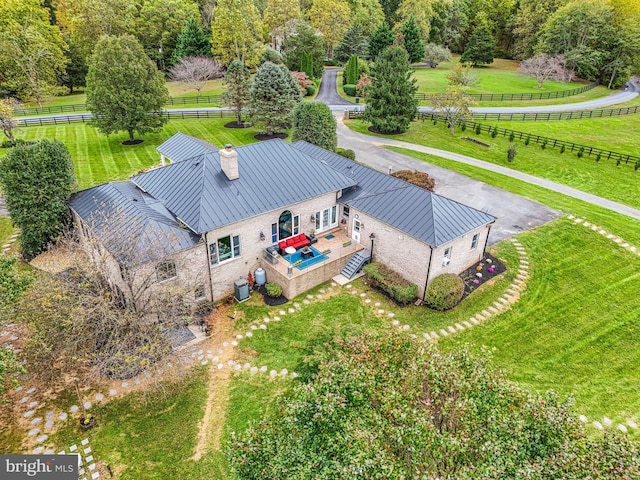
<point>270,301</point>
<point>471,279</point>
<point>477,142</point>
<point>137,141</point>
<point>264,136</point>
<point>372,129</point>
<point>234,125</point>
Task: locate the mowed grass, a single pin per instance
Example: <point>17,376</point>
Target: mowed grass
<point>575,327</point>
<point>604,178</point>
<point>99,159</point>
<point>6,230</point>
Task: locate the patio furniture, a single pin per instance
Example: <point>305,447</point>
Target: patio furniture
<point>297,241</point>
<point>290,250</point>
<point>306,253</point>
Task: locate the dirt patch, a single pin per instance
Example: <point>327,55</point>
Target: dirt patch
<point>55,261</point>
<point>477,142</point>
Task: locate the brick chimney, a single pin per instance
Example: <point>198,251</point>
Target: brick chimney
<point>229,162</point>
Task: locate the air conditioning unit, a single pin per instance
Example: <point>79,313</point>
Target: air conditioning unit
<point>446,262</point>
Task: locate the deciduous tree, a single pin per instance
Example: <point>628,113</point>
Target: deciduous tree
<point>196,71</point>
<point>421,11</point>
<point>125,90</point>
<point>454,105</point>
<point>304,42</point>
<point>544,67</point>
<point>435,54</point>
<point>8,121</point>
<point>237,32</point>
<point>462,75</point>
<point>37,181</point>
<point>366,13</point>
<point>279,20</point>
<point>332,19</point>
<point>273,96</point>
<point>314,123</point>
<point>236,81</point>
<point>391,103</point>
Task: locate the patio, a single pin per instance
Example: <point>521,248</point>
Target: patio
<point>295,280</point>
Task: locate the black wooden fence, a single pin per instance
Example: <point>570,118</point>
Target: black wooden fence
<point>577,115</point>
<point>598,153</point>
<point>505,97</point>
<point>62,120</point>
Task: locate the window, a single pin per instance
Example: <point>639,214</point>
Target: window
<point>198,292</point>
<point>285,225</point>
<point>345,211</point>
<point>447,257</point>
<point>296,224</point>
<point>274,233</point>
<point>225,248</point>
<point>165,270</point>
<point>474,241</point>
<point>326,219</point>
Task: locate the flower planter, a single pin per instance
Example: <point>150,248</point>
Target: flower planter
<point>87,425</point>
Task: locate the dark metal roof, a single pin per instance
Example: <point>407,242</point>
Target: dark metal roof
<point>273,175</point>
<point>424,215</point>
<point>182,147</point>
<point>132,225</point>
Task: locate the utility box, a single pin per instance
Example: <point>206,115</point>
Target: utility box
<point>241,290</point>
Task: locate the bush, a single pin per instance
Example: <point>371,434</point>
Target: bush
<point>444,292</point>
<point>311,89</point>
<point>346,153</point>
<point>562,149</point>
<point>512,137</point>
<point>478,129</point>
<point>397,288</point>
<point>494,132</point>
<point>598,158</point>
<point>202,309</point>
<point>273,289</point>
<point>464,127</point>
<point>580,152</point>
<point>419,179</point>
<point>544,145</point>
<point>349,89</point>
<point>511,152</point>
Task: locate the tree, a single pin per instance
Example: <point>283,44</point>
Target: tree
<point>390,9</point>
<point>366,13</point>
<point>350,73</point>
<point>435,54</point>
<point>304,42</point>
<point>332,19</point>
<point>314,123</point>
<point>302,79</point>
<point>544,67</point>
<point>354,42</point>
<point>271,55</point>
<point>279,19</point>
<point>530,17</point>
<point>196,71</point>
<point>125,90</point>
<point>421,11</point>
<point>381,39</point>
<point>8,122</point>
<point>480,49</point>
<point>237,29</point>
<point>454,105</point>
<point>192,42</point>
<point>76,71</point>
<point>392,407</point>
<point>236,81</point>
<point>392,105</point>
<point>462,75</point>
<point>37,181</point>
<point>33,49</point>
<point>273,96</point>
<point>412,40</point>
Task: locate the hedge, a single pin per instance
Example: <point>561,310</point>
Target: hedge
<point>444,292</point>
<point>397,288</point>
<point>349,89</point>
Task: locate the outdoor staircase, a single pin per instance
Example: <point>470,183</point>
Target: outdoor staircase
<point>355,263</point>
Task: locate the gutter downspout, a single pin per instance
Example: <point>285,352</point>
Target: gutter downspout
<point>486,240</point>
<point>426,282</point>
<point>206,251</point>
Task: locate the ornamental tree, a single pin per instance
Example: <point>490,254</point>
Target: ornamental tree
<point>314,123</point>
<point>435,54</point>
<point>392,407</point>
<point>196,71</point>
<point>391,105</point>
<point>272,97</point>
<point>454,105</point>
<point>125,90</point>
<point>37,181</point>
<point>545,67</point>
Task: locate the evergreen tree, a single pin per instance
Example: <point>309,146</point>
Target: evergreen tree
<point>381,39</point>
<point>480,49</point>
<point>355,42</point>
<point>412,41</point>
<point>192,42</point>
<point>125,90</point>
<point>37,181</point>
<point>304,41</point>
<point>314,123</point>
<point>273,97</point>
<point>307,64</point>
<point>350,74</point>
<point>236,79</point>
<point>391,104</point>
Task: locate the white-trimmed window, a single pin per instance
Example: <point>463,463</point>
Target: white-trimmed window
<point>345,211</point>
<point>474,241</point>
<point>199,292</point>
<point>224,248</point>
<point>165,270</point>
<point>447,257</point>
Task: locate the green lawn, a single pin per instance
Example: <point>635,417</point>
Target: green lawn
<point>604,178</point>
<point>6,229</point>
<point>99,159</point>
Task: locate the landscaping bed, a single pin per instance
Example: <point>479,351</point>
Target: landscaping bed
<point>489,267</point>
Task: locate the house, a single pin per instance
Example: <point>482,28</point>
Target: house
<point>212,216</point>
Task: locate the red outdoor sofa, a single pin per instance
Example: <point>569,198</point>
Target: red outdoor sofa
<point>297,241</point>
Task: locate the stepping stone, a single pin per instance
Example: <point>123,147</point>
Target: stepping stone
<point>263,368</point>
<point>381,311</point>
<point>330,289</point>
<point>311,296</point>
<point>377,304</point>
<point>225,344</point>
<point>618,240</point>
<point>263,326</point>
<point>426,335</point>
<point>48,424</point>
<point>405,327</point>
<point>632,424</point>
<point>570,217</point>
<point>494,310</point>
<point>87,405</point>
<point>89,459</point>
<point>486,314</point>
<point>87,450</point>
<point>267,320</point>
<point>92,466</point>
<point>32,404</point>
<point>579,220</point>
<point>610,236</point>
<point>230,363</point>
<point>204,362</point>
<point>459,327</point>
<point>607,421</point>
<point>521,277</point>
<point>594,228</point>
<point>246,366</point>
<point>31,390</point>
<point>368,300</point>
<point>33,432</point>
<point>349,286</point>
<point>632,248</point>
<point>602,232</point>
<point>42,438</point>
<point>434,335</point>
<point>524,262</point>
<point>294,375</point>
<point>451,329</point>
<point>273,373</point>
<point>220,365</point>
<point>395,323</point>
<point>49,415</point>
<point>518,281</point>
<point>99,397</point>
<point>504,299</point>
<point>363,294</point>
<point>254,369</point>
<point>622,428</point>
<point>248,334</point>
<point>391,314</point>
<point>625,245</point>
<point>24,399</point>
<point>354,292</point>
<point>85,441</point>
<point>284,371</point>
<point>95,475</point>
<point>292,310</point>
<point>48,452</point>
<point>443,332</point>
<point>36,420</point>
<point>523,272</point>
<point>511,291</point>
<point>38,450</point>
<point>18,389</point>
<point>474,320</point>
<point>239,336</point>
<point>598,425</point>
<point>63,416</point>
<point>282,312</point>
<point>237,367</point>
<point>276,319</point>
<point>296,305</point>
<point>467,324</point>
<point>586,224</point>
<point>73,448</point>
<point>479,317</point>
<point>306,302</point>
<point>253,327</point>
<point>234,343</point>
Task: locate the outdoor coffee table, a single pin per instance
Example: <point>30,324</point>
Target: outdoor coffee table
<point>290,250</point>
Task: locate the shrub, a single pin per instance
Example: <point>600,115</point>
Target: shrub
<point>526,141</point>
<point>512,137</point>
<point>397,288</point>
<point>202,309</point>
<point>311,89</point>
<point>494,132</point>
<point>544,145</point>
<point>598,158</point>
<point>580,152</point>
<point>420,179</point>
<point>562,149</point>
<point>273,289</point>
<point>478,129</point>
<point>444,292</point>
<point>464,127</point>
<point>511,152</point>
<point>349,89</point>
<point>346,153</point>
